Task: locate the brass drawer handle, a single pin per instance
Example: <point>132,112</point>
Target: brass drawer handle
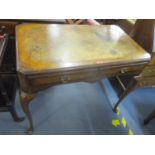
<point>65,78</point>
<point>124,70</point>
<point>151,71</point>
<point>142,83</point>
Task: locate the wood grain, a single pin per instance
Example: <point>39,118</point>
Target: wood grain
<point>47,47</point>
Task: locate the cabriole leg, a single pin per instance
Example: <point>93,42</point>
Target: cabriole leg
<point>25,100</point>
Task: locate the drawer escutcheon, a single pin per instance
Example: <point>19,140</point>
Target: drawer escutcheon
<point>65,78</point>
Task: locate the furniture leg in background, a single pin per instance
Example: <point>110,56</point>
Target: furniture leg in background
<point>10,102</point>
<point>11,107</point>
<point>131,87</point>
<point>149,117</point>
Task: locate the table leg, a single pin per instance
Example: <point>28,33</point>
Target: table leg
<point>25,100</point>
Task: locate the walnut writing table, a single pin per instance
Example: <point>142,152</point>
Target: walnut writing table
<point>55,54</point>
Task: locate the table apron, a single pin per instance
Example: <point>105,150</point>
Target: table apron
<point>34,83</point>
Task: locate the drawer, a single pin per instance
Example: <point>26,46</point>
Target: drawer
<point>148,71</point>
<point>152,61</point>
<point>146,82</point>
<point>82,75</point>
<point>62,78</point>
<point>113,71</point>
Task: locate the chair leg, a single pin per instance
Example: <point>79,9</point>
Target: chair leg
<point>130,88</point>
<point>25,100</point>
<point>149,117</point>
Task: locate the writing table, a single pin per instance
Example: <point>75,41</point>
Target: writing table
<point>48,55</point>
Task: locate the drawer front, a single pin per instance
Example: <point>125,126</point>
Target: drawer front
<point>62,78</point>
<point>113,71</point>
<point>152,61</point>
<point>148,71</point>
<point>146,82</point>
<point>81,75</point>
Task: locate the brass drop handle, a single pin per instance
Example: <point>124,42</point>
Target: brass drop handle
<point>65,78</point>
<point>142,83</point>
<point>124,70</point>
